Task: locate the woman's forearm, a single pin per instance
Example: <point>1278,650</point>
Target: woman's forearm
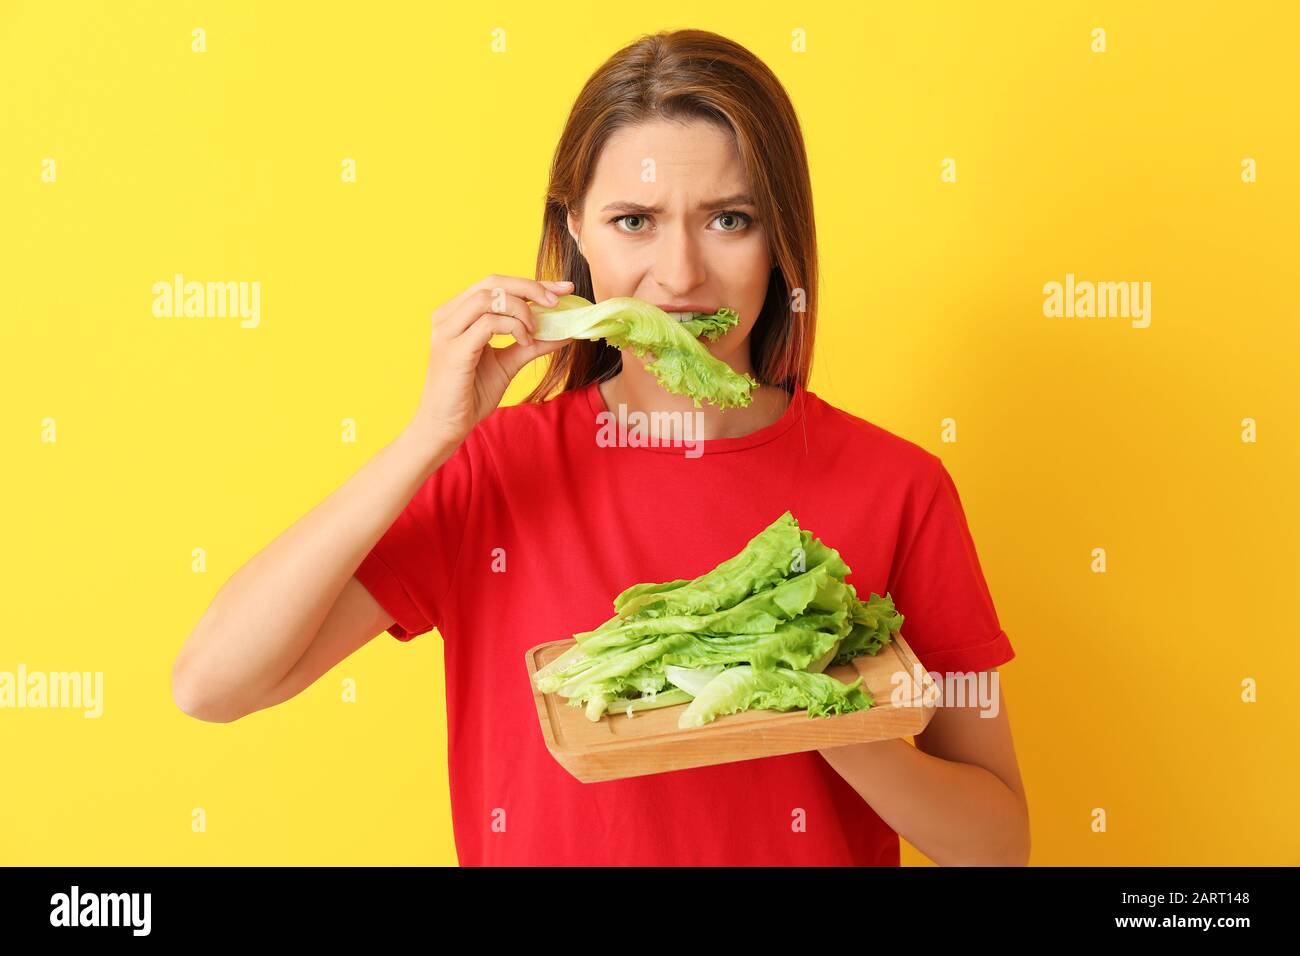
<point>263,618</point>
<point>957,814</point>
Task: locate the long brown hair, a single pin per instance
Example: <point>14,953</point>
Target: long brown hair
<point>683,75</point>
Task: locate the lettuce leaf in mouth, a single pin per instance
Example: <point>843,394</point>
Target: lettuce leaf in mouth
<point>678,361</point>
<point>756,632</point>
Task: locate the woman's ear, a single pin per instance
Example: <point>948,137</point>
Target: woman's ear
<point>575,227</point>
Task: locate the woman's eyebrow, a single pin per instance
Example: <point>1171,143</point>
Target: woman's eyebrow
<point>740,199</point>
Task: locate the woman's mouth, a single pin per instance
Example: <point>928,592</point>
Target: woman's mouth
<point>685,313</point>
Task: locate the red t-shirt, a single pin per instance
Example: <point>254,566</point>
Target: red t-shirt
<point>578,521</point>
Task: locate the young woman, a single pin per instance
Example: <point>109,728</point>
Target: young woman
<point>681,179</point>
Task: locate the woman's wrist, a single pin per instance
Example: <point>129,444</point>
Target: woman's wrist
<point>427,447</point>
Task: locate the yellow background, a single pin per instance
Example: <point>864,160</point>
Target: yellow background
<point>1072,433</point>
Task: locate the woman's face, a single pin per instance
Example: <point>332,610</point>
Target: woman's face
<point>667,220</point>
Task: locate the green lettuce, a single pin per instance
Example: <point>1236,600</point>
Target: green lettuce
<point>744,687</point>
<point>679,362</point>
<point>755,632</point>
<point>762,562</point>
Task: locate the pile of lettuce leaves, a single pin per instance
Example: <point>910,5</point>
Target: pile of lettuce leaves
<point>676,358</point>
<point>756,632</point>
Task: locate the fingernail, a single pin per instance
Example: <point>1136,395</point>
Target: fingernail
<point>551,298</point>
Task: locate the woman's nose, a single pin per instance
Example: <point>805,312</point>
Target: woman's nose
<point>680,266</point>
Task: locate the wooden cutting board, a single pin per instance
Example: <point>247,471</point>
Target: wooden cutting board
<point>649,741</point>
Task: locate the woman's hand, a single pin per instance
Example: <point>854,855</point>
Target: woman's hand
<point>467,377</point>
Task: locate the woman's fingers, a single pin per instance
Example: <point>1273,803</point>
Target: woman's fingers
<point>484,302</point>
<point>491,323</point>
<point>459,390</point>
<point>495,298</point>
<point>534,289</point>
<point>515,356</point>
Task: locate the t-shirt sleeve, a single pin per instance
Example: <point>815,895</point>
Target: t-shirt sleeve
<point>411,568</point>
<point>938,586</point>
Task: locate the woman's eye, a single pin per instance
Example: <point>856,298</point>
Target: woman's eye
<point>742,220</point>
<point>629,216</point>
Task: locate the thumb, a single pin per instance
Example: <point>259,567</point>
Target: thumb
<point>515,356</point>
